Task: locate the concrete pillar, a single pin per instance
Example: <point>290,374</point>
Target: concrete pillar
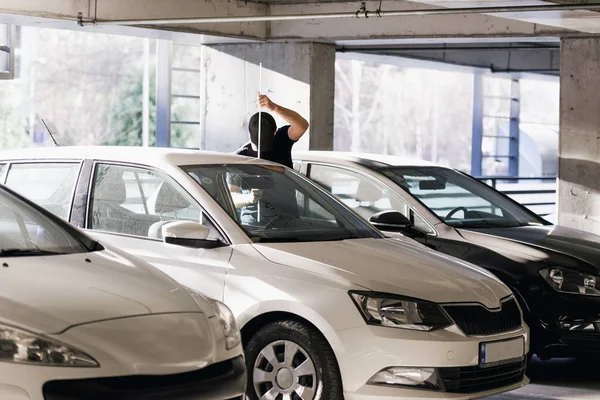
<point>299,76</point>
<point>579,148</point>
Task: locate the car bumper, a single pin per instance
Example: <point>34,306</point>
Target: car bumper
<point>566,325</point>
<point>219,381</point>
<point>568,338</point>
<point>155,357</point>
<point>389,393</point>
<point>367,350</point>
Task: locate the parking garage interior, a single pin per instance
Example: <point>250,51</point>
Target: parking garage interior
<point>505,91</point>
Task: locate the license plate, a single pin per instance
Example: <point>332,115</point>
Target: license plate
<point>502,351</point>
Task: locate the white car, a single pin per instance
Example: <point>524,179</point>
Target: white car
<point>82,321</point>
<point>328,307</point>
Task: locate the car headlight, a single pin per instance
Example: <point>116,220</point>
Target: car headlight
<point>22,347</point>
<point>399,312</point>
<point>228,323</point>
<point>566,280</point>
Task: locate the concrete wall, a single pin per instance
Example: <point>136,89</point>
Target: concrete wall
<point>298,76</point>
<point>579,148</point>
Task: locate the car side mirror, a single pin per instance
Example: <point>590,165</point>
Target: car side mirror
<point>394,221</point>
<point>189,234</point>
<point>390,221</point>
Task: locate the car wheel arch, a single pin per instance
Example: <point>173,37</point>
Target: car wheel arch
<point>513,285</point>
<point>259,321</point>
<point>254,324</point>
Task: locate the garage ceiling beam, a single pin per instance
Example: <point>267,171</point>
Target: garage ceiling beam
<point>241,20</point>
<point>65,14</point>
<point>412,26</point>
<point>578,20</point>
<point>360,13</point>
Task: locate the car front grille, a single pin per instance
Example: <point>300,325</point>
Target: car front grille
<point>475,319</point>
<point>480,379</point>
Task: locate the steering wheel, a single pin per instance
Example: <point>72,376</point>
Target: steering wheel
<point>454,211</point>
<point>271,224</point>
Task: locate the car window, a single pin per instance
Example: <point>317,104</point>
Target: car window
<point>136,201</point>
<point>26,231</point>
<point>459,200</point>
<point>364,195</point>
<point>50,185</point>
<point>275,204</point>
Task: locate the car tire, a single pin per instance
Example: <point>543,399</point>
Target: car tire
<point>285,357</point>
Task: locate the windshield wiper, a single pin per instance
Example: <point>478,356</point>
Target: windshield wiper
<point>27,252</point>
<point>276,239</point>
<point>487,224</point>
<point>296,239</point>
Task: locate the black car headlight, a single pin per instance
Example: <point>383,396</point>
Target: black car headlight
<point>566,280</point>
<point>399,312</point>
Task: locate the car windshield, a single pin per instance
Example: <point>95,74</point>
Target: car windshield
<point>28,231</point>
<point>274,204</point>
<point>460,200</point>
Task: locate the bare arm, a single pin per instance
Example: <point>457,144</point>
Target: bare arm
<point>240,199</point>
<point>298,125</point>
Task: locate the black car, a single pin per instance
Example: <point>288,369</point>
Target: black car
<point>554,271</point>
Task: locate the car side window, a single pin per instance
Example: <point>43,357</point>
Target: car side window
<point>363,195</point>
<point>2,172</point>
<point>139,202</point>
<point>50,185</point>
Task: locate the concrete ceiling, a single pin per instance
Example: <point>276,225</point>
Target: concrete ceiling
<point>64,14</point>
<point>581,21</point>
<point>515,43</point>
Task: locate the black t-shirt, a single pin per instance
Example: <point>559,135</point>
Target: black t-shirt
<point>280,153</point>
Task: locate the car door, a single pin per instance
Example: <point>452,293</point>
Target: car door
<point>365,195</point>
<point>127,207</point>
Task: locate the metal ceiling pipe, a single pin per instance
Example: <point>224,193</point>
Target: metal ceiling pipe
<point>377,49</point>
<point>357,14</point>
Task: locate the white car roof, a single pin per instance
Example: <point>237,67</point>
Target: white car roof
<point>365,159</point>
<point>137,155</point>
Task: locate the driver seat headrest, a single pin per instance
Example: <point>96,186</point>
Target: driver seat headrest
<point>169,200</point>
<point>367,192</point>
<point>111,188</point>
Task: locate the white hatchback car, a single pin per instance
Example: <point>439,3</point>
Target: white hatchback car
<point>328,307</point>
<point>83,321</point>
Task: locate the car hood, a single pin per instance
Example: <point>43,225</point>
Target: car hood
<point>50,294</point>
<point>548,243</point>
<point>392,266</point>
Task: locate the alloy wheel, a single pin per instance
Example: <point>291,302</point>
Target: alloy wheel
<point>284,371</point>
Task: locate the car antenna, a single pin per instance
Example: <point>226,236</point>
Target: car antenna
<point>259,108</point>
<point>50,133</point>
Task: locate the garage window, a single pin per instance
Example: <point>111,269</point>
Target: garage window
<point>50,185</point>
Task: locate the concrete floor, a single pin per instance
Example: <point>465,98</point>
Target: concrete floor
<point>562,379</point>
